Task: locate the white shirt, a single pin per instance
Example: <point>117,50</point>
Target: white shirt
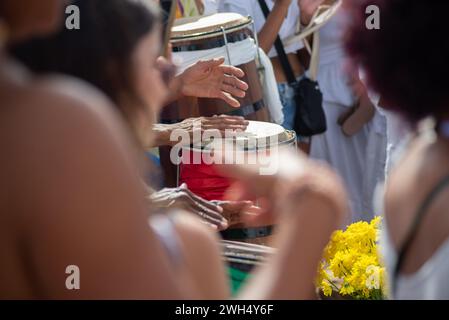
<point>210,7</point>
<point>252,8</point>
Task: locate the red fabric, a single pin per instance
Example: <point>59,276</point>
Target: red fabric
<point>204,180</point>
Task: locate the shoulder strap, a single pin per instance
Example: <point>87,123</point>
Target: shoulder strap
<point>280,48</point>
<point>422,210</point>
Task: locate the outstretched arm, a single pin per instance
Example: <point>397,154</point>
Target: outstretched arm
<point>210,79</point>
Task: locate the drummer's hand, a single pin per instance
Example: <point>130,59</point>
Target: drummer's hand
<point>212,79</point>
<point>297,183</point>
<point>181,197</point>
<point>237,212</point>
<point>307,9</point>
<point>220,123</point>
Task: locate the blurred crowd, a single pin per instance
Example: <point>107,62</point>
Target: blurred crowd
<point>80,110</point>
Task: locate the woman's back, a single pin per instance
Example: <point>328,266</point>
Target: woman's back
<point>68,181</point>
<point>425,268</point>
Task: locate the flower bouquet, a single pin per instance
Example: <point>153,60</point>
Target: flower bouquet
<point>351,268</point>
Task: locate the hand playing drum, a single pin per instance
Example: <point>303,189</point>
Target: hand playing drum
<point>217,214</point>
<point>220,123</point>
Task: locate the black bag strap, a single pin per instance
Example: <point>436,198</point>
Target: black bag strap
<point>422,210</point>
<point>280,48</point>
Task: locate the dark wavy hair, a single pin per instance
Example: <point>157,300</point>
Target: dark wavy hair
<point>100,51</point>
<point>407,59</point>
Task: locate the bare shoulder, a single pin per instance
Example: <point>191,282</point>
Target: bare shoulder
<point>72,100</point>
<point>419,171</point>
<point>59,130</point>
<point>64,111</point>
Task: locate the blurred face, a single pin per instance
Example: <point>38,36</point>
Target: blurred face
<point>30,17</point>
<point>150,86</point>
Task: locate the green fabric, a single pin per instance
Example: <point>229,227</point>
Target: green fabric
<point>238,278</point>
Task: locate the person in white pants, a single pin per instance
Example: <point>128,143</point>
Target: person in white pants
<point>360,158</point>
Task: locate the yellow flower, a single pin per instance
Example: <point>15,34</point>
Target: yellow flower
<point>346,290</point>
<point>351,262</point>
<point>326,287</point>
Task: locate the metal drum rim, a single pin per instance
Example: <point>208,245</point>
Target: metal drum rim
<point>289,141</point>
<point>213,33</point>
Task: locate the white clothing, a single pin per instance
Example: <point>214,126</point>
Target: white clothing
<point>397,132</point>
<point>240,53</point>
<point>252,8</point>
<point>210,7</point>
<point>360,159</point>
<point>270,90</point>
<point>430,281</point>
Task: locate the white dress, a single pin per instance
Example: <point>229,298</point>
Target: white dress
<point>360,159</point>
<point>430,282</point>
<point>252,8</point>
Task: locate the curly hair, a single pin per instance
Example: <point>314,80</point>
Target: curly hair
<point>406,60</point>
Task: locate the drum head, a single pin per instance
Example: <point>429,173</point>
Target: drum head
<point>208,26</point>
<point>258,135</point>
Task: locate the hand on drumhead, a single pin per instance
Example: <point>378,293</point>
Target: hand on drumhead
<point>223,123</point>
<point>237,212</point>
<point>212,79</point>
<point>181,197</point>
<point>220,123</point>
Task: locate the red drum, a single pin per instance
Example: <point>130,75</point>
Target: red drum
<point>199,173</point>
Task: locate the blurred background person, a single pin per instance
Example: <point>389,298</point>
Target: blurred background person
<point>355,141</point>
<point>416,224</point>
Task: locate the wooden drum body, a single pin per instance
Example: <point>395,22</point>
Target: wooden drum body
<point>209,37</point>
<point>218,35</point>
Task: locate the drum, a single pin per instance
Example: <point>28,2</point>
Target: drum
<point>241,259</point>
<point>219,35</point>
<point>197,170</point>
<point>228,35</point>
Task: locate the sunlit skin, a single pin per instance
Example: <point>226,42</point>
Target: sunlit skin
<point>72,194</point>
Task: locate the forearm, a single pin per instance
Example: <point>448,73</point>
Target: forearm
<point>301,239</point>
<point>176,88</point>
<point>269,32</point>
<point>162,134</point>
